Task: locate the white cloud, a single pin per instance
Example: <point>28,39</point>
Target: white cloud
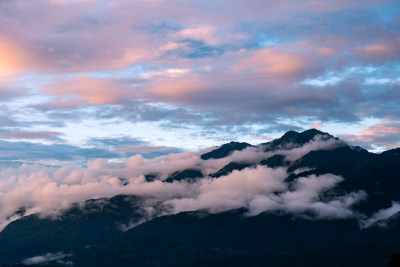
<point>381,216</point>
<point>58,256</point>
<point>49,191</point>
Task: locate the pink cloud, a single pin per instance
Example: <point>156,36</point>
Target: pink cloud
<point>273,61</point>
<point>379,52</point>
<point>381,129</point>
<point>377,49</point>
<point>71,39</point>
<point>384,133</point>
<point>176,88</point>
<point>87,90</point>
<point>326,51</point>
<point>67,36</point>
<point>316,124</point>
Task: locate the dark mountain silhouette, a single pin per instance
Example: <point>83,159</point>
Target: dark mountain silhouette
<point>295,139</point>
<point>275,161</point>
<point>224,237</point>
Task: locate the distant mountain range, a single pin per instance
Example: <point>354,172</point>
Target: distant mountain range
<point>305,199</point>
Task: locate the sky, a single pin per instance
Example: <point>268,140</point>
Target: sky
<point>88,79</point>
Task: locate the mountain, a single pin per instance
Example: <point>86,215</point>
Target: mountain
<point>83,225</point>
<point>195,239</point>
<point>224,150</point>
<point>275,161</point>
<point>295,139</point>
<point>331,204</point>
<point>291,138</point>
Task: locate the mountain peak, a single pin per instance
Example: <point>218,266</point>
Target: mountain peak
<point>296,138</point>
<point>224,150</point>
<point>289,134</point>
<point>313,131</point>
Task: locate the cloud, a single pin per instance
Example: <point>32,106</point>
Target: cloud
<point>173,46</point>
<point>263,189</point>
<point>15,58</point>
<point>86,90</point>
<point>140,149</point>
<point>49,257</point>
<point>384,133</point>
<point>5,121</point>
<point>126,146</point>
<point>292,152</point>
<point>316,124</point>
<point>257,96</point>
<point>207,63</point>
<point>71,39</point>
<point>381,216</point>
<point>10,93</point>
<point>50,190</point>
<point>305,198</point>
<point>30,135</point>
<point>176,89</point>
<point>379,52</point>
<point>326,51</point>
<point>17,153</point>
<point>203,33</point>
<point>274,61</point>
<point>23,148</point>
<point>192,64</point>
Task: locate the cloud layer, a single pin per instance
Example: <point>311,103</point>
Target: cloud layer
<point>49,190</point>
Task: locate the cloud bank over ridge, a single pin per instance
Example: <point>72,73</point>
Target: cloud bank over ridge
<point>50,190</point>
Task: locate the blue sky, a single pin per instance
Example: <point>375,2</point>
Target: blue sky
<point>87,79</point>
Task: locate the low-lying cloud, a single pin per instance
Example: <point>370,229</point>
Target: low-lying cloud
<point>264,189</point>
<point>50,190</point>
<point>380,217</point>
<point>49,257</point>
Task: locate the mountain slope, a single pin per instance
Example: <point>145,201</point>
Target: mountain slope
<point>93,223</point>
<point>187,238</point>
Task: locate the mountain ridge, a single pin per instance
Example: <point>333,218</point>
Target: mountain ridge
<point>159,236</point>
